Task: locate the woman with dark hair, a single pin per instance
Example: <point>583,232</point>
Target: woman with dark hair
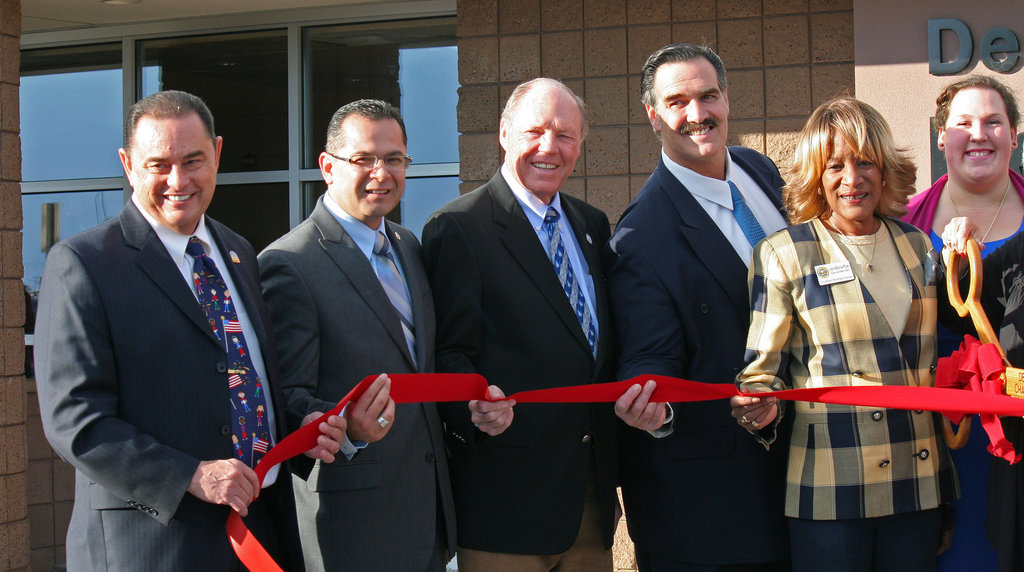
<point>846,296</point>
<point>977,121</point>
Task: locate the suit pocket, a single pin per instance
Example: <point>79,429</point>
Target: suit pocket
<point>694,445</point>
<point>344,475</point>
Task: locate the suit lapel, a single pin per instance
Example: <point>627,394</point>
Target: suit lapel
<point>156,263</point>
<point>521,241</point>
<point>709,244</point>
<point>345,254</point>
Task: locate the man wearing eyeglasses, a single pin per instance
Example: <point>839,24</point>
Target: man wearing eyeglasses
<point>349,298</point>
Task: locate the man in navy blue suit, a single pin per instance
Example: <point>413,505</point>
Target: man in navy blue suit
<point>700,493</point>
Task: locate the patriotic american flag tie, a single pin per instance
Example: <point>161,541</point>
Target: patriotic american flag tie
<point>250,433</point>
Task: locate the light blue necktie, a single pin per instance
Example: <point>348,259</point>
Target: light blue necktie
<point>745,217</point>
<point>394,286</point>
<point>566,276</point>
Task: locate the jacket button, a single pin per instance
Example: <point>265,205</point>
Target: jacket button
<point>704,309</point>
<point>222,367</point>
<point>429,457</point>
<point>876,415</point>
<point>152,512</point>
<point>884,464</point>
<point>587,438</point>
<point>857,373</point>
<point>225,430</point>
<point>931,368</point>
<point>922,454</point>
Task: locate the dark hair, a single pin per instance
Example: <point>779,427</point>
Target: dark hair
<point>166,105</point>
<point>945,99</point>
<point>372,109</point>
<point>677,53</point>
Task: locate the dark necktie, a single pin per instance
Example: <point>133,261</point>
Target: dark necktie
<point>394,286</point>
<point>745,217</point>
<point>250,428</point>
<point>566,276</point>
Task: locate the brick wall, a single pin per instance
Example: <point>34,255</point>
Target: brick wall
<point>14,523</point>
<point>784,57</point>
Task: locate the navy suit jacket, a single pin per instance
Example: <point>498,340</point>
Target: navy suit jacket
<point>680,306</point>
<point>133,392</point>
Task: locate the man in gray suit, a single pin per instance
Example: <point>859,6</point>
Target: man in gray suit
<point>349,298</point>
<point>136,383</point>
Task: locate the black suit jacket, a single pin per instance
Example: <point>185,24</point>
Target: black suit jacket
<point>681,308</point>
<point>335,325</point>
<point>501,312</point>
<point>133,392</point>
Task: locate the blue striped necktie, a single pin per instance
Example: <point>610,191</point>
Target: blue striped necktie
<point>566,276</point>
<point>745,217</point>
<point>394,286</point>
<point>250,430</point>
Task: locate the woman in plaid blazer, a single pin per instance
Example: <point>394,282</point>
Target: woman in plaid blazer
<point>846,296</point>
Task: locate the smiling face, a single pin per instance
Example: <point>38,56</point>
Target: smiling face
<point>692,115</point>
<point>543,139</point>
<point>172,168</point>
<point>366,194</point>
<point>978,139</point>
<point>853,189</point>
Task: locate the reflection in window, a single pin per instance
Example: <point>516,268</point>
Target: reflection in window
<point>258,212</point>
<point>411,64</point>
<point>71,109</point>
<point>49,217</point>
<point>243,78</point>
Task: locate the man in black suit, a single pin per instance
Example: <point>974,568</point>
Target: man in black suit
<point>677,269</point>
<point>133,374</point>
<point>538,491</point>
<point>336,322</point>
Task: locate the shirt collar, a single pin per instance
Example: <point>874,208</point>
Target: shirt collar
<point>176,242</point>
<point>530,203</point>
<point>708,188</point>
<point>364,236</point>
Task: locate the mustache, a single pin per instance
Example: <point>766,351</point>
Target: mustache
<point>688,128</point>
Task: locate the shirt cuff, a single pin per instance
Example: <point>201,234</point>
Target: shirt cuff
<point>668,427</point>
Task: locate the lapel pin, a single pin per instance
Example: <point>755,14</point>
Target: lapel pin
<point>589,240</point>
<point>234,255</point>
<point>396,235</point>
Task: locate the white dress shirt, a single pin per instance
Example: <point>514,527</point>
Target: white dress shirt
<point>716,198</point>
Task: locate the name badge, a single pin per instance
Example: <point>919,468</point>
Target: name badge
<point>833,273</point>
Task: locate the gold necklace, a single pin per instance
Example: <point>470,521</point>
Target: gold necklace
<point>999,209</point>
<point>874,242</point>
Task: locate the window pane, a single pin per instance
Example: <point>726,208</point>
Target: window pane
<point>60,215</point>
<point>71,117</point>
<point>410,64</point>
<point>424,196</point>
<point>242,78</point>
<point>259,212</point>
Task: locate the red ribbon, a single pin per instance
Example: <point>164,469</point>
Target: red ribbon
<point>437,387</point>
<point>977,367</point>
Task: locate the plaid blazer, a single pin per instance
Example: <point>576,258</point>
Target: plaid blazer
<point>844,461</point>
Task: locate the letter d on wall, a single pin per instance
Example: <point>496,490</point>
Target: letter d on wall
<point>935,64</point>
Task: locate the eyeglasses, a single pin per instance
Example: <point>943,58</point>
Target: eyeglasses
<point>370,162</point>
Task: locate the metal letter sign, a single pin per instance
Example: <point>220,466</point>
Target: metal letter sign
<point>935,64</point>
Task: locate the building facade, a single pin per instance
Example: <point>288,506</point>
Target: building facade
<point>273,76</point>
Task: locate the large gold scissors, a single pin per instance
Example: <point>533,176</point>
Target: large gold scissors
<point>1013,378</point>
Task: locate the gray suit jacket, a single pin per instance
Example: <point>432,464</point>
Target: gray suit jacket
<point>133,392</point>
<point>334,326</point>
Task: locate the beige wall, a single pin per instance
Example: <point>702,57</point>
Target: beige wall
<point>14,523</point>
<point>783,56</point>
<point>892,61</point>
